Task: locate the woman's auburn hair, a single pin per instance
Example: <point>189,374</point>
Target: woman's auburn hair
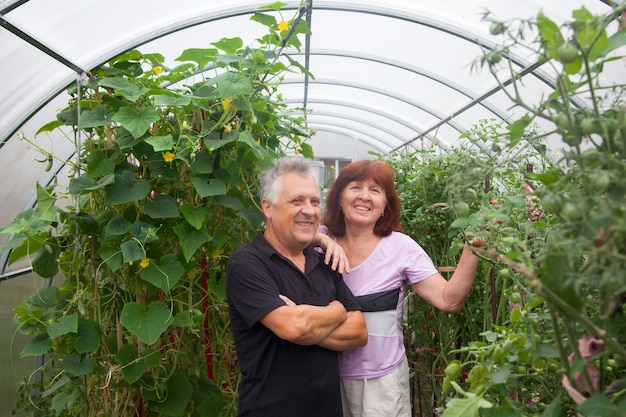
<point>381,173</point>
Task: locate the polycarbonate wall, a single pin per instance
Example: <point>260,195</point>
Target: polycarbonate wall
<point>389,75</point>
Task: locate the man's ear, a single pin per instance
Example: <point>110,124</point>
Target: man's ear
<point>267,208</point>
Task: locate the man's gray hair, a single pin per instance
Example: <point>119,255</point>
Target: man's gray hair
<point>271,178</point>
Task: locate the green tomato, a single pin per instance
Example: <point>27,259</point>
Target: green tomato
<point>453,369</point>
<point>516,298</point>
<point>497,28</point>
<point>462,209</point>
<point>600,180</point>
<point>504,273</point>
<point>587,125</point>
<point>572,139</point>
<point>567,53</point>
<point>562,121</point>
<point>552,203</point>
<point>470,195</point>
<point>571,211</point>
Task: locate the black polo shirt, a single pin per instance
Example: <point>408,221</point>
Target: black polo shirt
<point>280,378</point>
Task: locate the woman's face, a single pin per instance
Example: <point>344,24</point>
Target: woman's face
<point>363,202</point>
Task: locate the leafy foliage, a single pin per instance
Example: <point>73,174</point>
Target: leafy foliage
<point>163,187</point>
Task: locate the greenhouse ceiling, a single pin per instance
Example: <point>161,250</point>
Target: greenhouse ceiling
<point>387,76</point>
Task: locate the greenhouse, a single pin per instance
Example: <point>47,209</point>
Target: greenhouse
<point>131,141</point>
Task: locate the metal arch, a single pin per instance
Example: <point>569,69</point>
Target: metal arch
<point>243,10</point>
<point>385,93</point>
<point>352,105</point>
<point>362,132</point>
<point>361,121</point>
<point>410,68</point>
<point>327,127</point>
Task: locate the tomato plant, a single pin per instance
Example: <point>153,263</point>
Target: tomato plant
<point>566,259</point>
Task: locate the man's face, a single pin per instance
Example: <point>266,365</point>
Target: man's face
<point>293,221</point>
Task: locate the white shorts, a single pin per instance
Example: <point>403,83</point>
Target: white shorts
<point>385,396</point>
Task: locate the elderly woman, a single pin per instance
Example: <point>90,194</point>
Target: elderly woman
<point>362,216</point>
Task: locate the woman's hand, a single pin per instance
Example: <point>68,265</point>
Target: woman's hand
<point>334,255</point>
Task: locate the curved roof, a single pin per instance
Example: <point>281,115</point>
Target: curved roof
<point>387,75</point>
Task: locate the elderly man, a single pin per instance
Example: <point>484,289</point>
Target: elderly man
<point>290,311</point>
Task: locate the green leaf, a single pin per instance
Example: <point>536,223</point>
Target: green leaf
<point>306,150</point>
<point>60,402</point>
<point>600,405</point>
<point>218,288</point>
<point>111,254</point>
<point>213,144</point>
<point>58,384</point>
<point>229,45</point>
<point>117,226</point>
<point>124,88</point>
<point>85,222</point>
<point>45,298</point>
<point>126,189</point>
<point>137,122</point>
<point>171,100</point>
<point>23,246</point>
<point>83,184</point>
<point>465,407</point>
<point>200,56</point>
<point>74,366</point>
<point>160,143</point>
<point>64,325</point>
<point>195,216</point>
<point>191,239</point>
<point>135,367</point>
<point>230,84</point>
<point>132,251</point>
<point>49,127</point>
<point>501,412</point>
<point>162,207</point>
<point>617,40</point>
<point>183,319</point>
<point>203,163</point>
<point>46,201</point>
<point>94,118</point>
<point>209,396</point>
<point>247,138</point>
<point>37,346</point>
<point>179,391</point>
<point>554,409</point>
<point>550,35</point>
<point>147,324</point>
<point>143,231</point>
<point>277,5</point>
<point>208,187</point>
<point>518,127</point>
<point>164,275</point>
<point>46,262</point>
<point>264,19</point>
<point>88,336</point>
<point>99,164</point>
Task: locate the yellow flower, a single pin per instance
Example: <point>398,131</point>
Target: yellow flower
<point>226,103</point>
<point>168,156</point>
<point>283,26</point>
<point>144,263</point>
<point>185,125</point>
<point>228,127</point>
<point>258,141</point>
<point>332,167</point>
<point>130,262</point>
<point>157,70</point>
